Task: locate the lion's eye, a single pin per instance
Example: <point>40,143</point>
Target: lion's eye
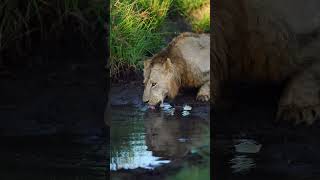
<point>153,84</point>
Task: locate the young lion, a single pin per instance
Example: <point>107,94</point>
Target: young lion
<point>184,63</point>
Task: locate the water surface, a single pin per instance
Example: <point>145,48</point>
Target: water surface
<point>150,138</point>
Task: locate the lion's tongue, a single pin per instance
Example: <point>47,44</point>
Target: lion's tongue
<point>152,106</point>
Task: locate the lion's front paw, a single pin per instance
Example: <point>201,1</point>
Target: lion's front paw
<point>300,101</point>
<point>203,97</point>
<point>299,115</point>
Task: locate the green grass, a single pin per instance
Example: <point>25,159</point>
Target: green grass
<point>196,13</point>
<point>187,6</point>
<point>135,29</point>
<point>202,24</point>
<point>134,33</point>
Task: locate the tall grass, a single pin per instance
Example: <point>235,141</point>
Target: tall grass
<point>133,32</point>
<point>135,29</point>
<point>186,6</point>
<point>20,20</point>
<point>197,12</point>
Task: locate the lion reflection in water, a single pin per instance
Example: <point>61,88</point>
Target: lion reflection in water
<point>171,137</point>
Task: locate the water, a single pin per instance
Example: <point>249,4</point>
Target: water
<point>53,158</point>
<point>245,152</point>
<point>248,145</point>
<point>144,138</point>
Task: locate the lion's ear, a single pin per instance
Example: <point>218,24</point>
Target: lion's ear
<point>168,64</point>
<point>146,69</point>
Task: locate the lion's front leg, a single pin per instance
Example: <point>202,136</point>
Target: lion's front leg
<point>300,101</point>
<point>204,92</point>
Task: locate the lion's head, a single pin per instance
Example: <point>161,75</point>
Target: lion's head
<point>160,80</point>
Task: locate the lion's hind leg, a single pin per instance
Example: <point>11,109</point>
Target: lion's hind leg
<point>300,101</point>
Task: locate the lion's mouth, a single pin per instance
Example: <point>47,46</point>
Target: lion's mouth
<point>152,107</point>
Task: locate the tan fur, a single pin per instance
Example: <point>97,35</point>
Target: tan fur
<point>254,44</point>
<point>184,63</point>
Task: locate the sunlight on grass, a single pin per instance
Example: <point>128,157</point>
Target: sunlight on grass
<point>197,12</point>
<point>186,6</point>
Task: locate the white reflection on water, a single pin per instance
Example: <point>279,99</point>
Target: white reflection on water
<point>244,159</point>
<point>128,145</point>
<point>141,157</point>
<point>242,163</point>
<point>148,139</point>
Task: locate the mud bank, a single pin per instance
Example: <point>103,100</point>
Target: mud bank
<point>130,94</point>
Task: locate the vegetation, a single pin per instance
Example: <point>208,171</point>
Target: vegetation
<point>136,28</point>
<point>23,22</point>
<point>197,12</point>
<point>133,31</point>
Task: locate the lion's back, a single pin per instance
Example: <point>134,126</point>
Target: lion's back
<point>195,51</point>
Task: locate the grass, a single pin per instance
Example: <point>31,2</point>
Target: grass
<point>197,12</point>
<point>186,6</point>
<point>21,22</point>
<point>135,29</point>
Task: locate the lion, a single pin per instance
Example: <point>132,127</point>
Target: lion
<point>261,41</point>
<point>252,41</point>
<point>185,62</point>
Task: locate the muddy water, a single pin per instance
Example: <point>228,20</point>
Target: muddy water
<point>145,138</point>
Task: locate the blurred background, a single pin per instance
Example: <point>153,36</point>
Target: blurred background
<point>53,57</point>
